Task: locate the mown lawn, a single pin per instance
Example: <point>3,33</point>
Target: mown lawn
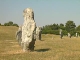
<point>51,47</point>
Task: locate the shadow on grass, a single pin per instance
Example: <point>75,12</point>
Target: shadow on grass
<point>42,50</point>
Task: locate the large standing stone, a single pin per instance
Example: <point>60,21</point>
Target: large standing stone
<point>19,35</point>
<point>28,30</point>
<point>38,33</point>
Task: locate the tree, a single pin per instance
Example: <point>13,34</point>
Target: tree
<point>61,26</point>
<point>55,27</point>
<point>10,23</point>
<point>6,24</point>
<point>78,28</point>
<point>15,25</point>
<point>70,27</point>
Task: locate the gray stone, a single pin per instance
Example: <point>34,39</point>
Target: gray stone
<point>28,30</point>
<point>76,34</point>
<point>38,33</point>
<point>69,35</point>
<point>19,35</point>
<point>61,34</point>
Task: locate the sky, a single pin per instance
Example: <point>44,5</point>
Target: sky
<point>46,12</point>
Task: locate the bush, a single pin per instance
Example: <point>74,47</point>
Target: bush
<point>10,23</point>
<point>50,32</point>
<point>6,24</point>
<point>64,32</point>
<point>15,25</point>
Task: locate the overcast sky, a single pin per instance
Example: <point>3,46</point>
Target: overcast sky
<point>45,11</point>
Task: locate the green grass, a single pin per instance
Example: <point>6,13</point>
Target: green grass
<point>50,48</point>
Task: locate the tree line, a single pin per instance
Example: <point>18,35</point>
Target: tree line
<point>68,27</point>
<point>10,23</point>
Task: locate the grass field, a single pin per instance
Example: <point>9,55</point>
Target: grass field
<point>50,48</point>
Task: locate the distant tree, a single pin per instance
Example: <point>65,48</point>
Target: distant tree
<point>55,27</point>
<point>46,27</point>
<point>70,27</point>
<point>78,28</point>
<point>10,23</point>
<point>6,24</point>
<point>15,25</point>
<point>61,26</point>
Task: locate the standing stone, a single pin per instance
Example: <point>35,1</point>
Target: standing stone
<point>38,33</point>
<point>28,30</point>
<point>61,35</point>
<point>19,35</point>
<point>76,34</point>
<point>69,35</point>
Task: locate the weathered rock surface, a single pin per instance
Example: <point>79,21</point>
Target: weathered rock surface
<point>38,33</point>
<point>28,30</point>
<point>19,35</point>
